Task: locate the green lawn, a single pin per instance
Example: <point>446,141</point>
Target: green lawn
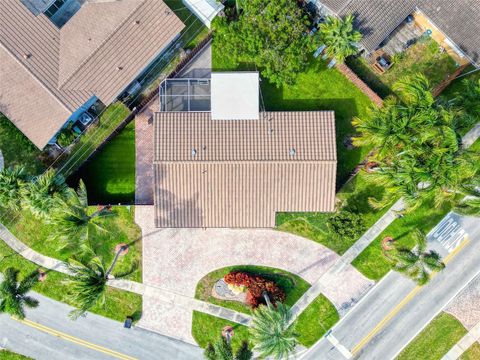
<point>207,328</point>
<point>110,175</point>
<point>108,121</point>
<point>456,87</point>
<point>120,229</point>
<point>293,285</point>
<point>472,353</point>
<point>8,355</point>
<point>435,340</point>
<point>354,195</point>
<point>17,149</point>
<point>119,304</point>
<point>423,57</point>
<point>373,264</point>
<point>315,321</point>
<point>310,326</point>
<point>316,88</point>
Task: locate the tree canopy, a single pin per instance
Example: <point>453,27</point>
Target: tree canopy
<point>418,146</point>
<point>271,34</point>
<point>340,37</point>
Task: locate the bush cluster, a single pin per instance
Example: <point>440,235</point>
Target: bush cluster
<point>346,224</point>
<point>256,285</point>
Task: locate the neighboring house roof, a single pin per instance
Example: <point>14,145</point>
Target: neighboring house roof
<point>377,19</point>
<point>98,52</point>
<point>223,173</point>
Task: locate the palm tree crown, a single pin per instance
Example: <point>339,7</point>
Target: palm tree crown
<point>13,294</point>
<point>87,285</point>
<point>418,146</point>
<point>38,195</point>
<point>73,222</point>
<point>418,263</point>
<point>340,37</point>
<point>271,331</point>
<point>12,181</point>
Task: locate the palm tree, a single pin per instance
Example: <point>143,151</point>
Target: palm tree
<point>418,263</point>
<point>73,222</point>
<point>418,147</point>
<point>13,294</point>
<point>222,350</point>
<point>87,285</point>
<point>12,181</point>
<point>271,331</point>
<point>38,195</point>
<point>340,37</point>
<point>470,205</point>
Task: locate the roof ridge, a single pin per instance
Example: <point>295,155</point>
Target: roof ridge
<point>61,84</point>
<point>42,84</point>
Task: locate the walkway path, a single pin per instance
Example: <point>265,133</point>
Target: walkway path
<point>2,161</point>
<point>178,259</point>
<point>464,343</point>
<point>328,284</point>
<point>396,309</point>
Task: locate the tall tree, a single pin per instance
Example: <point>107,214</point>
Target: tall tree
<point>87,285</point>
<point>38,195</point>
<point>271,331</point>
<point>13,294</point>
<point>418,263</point>
<point>272,35</point>
<point>418,146</point>
<point>12,181</point>
<point>73,221</point>
<point>340,37</point>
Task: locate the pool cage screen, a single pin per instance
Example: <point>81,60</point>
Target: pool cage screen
<point>185,95</point>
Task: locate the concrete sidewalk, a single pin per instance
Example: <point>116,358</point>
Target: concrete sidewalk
<point>396,310</point>
<point>464,344</point>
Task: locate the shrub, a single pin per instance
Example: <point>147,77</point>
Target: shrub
<point>346,224</point>
<point>256,285</point>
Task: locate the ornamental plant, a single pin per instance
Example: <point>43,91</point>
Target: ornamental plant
<point>256,286</point>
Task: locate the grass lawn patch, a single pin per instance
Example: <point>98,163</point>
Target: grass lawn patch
<point>315,321</point>
<point>435,340</point>
<point>207,328</point>
<point>110,175</point>
<point>119,304</point>
<point>8,355</point>
<point>354,195</point>
<point>373,264</point>
<point>423,57</point>
<point>121,228</point>
<point>472,353</point>
<point>457,87</point>
<point>107,122</point>
<point>293,285</point>
<point>17,149</point>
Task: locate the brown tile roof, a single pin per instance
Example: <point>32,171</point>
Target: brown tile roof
<point>71,68</point>
<point>242,174</point>
<point>310,133</point>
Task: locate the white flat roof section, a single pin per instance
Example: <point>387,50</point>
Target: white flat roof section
<point>235,96</point>
<point>206,10</point>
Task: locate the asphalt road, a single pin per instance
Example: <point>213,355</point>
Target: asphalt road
<point>49,334</point>
<point>396,310</point>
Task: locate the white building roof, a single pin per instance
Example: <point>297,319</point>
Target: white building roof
<point>235,96</point>
<point>206,10</point>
